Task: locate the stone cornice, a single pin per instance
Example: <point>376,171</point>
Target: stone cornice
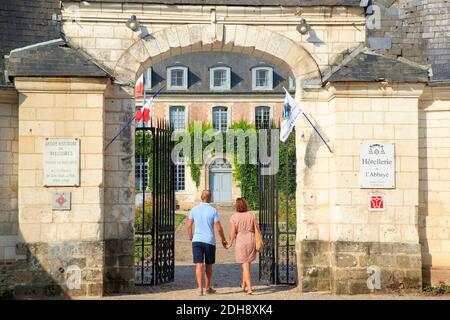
<point>157,14</point>
<point>436,93</point>
<point>274,98</point>
<point>375,90</point>
<point>61,85</point>
<point>8,95</point>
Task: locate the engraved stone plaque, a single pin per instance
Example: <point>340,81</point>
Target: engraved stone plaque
<point>61,162</point>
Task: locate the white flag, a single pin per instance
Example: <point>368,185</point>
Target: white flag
<point>289,121</point>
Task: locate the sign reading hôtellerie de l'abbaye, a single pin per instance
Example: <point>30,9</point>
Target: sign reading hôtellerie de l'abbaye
<point>62,162</point>
<point>377,165</point>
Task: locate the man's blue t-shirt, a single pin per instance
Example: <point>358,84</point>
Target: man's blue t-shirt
<point>204,216</point>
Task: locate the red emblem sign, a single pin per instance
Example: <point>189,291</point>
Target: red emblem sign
<point>376,203</point>
<point>61,200</point>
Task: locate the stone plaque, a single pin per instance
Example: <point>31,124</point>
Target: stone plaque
<point>377,165</point>
<point>61,200</point>
<point>62,162</point>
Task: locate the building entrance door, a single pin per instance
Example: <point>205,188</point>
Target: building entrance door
<point>220,181</point>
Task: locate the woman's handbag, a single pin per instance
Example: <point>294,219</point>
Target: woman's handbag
<point>259,240</point>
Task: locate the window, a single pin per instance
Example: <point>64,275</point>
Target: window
<point>262,78</point>
<point>180,174</point>
<point>148,79</point>
<point>220,118</point>
<point>292,84</point>
<point>262,117</point>
<point>177,118</point>
<point>141,174</point>
<point>220,78</point>
<point>177,78</point>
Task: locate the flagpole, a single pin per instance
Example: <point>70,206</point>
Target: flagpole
<point>145,100</point>
<point>315,129</point>
<point>157,92</point>
<point>309,120</point>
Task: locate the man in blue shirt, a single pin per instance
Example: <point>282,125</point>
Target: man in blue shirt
<point>205,218</point>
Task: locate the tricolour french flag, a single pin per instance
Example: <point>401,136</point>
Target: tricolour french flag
<point>147,109</point>
<point>140,86</point>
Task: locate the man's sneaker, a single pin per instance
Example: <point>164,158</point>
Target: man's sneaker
<point>210,291</point>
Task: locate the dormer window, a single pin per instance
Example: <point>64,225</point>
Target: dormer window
<point>220,78</point>
<point>177,78</point>
<point>262,78</point>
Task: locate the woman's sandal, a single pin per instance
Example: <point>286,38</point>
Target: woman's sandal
<point>243,288</point>
<point>249,292</point>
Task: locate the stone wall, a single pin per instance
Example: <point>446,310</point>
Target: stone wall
<point>335,215</point>
<point>63,250</point>
<point>334,30</point>
<point>434,210</point>
<point>8,172</point>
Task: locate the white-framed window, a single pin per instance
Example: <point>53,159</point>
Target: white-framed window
<point>262,117</point>
<point>177,78</point>
<point>262,78</point>
<point>141,172</point>
<point>220,78</point>
<point>292,84</point>
<point>177,117</point>
<point>148,79</point>
<point>220,118</point>
<point>180,174</point>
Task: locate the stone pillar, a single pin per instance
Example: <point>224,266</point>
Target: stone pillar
<point>434,210</point>
<point>8,185</point>
<point>64,250</point>
<point>344,241</point>
<point>119,192</point>
<point>8,172</point>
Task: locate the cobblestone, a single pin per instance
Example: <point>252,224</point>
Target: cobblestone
<point>226,279</point>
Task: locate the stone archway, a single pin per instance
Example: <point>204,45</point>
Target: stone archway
<point>257,41</point>
<point>251,40</point>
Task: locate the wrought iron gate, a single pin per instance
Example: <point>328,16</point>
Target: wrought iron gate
<point>277,261</point>
<point>155,218</point>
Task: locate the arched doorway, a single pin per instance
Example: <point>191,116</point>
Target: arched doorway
<point>149,51</point>
<point>220,181</point>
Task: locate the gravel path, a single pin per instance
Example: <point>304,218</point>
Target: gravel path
<point>226,279</point>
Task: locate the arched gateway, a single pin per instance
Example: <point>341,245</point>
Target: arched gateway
<point>74,230</point>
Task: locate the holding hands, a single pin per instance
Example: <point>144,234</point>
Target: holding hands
<point>227,244</point>
<point>224,243</point>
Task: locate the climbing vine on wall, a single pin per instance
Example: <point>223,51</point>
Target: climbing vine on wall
<point>246,174</point>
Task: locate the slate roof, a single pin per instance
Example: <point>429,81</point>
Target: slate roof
<point>285,3</point>
<point>51,59</point>
<point>200,63</point>
<point>366,65</point>
<point>25,22</point>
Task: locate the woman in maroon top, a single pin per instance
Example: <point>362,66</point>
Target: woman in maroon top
<point>242,228</point>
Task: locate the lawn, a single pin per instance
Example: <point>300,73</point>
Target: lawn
<point>179,217</point>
